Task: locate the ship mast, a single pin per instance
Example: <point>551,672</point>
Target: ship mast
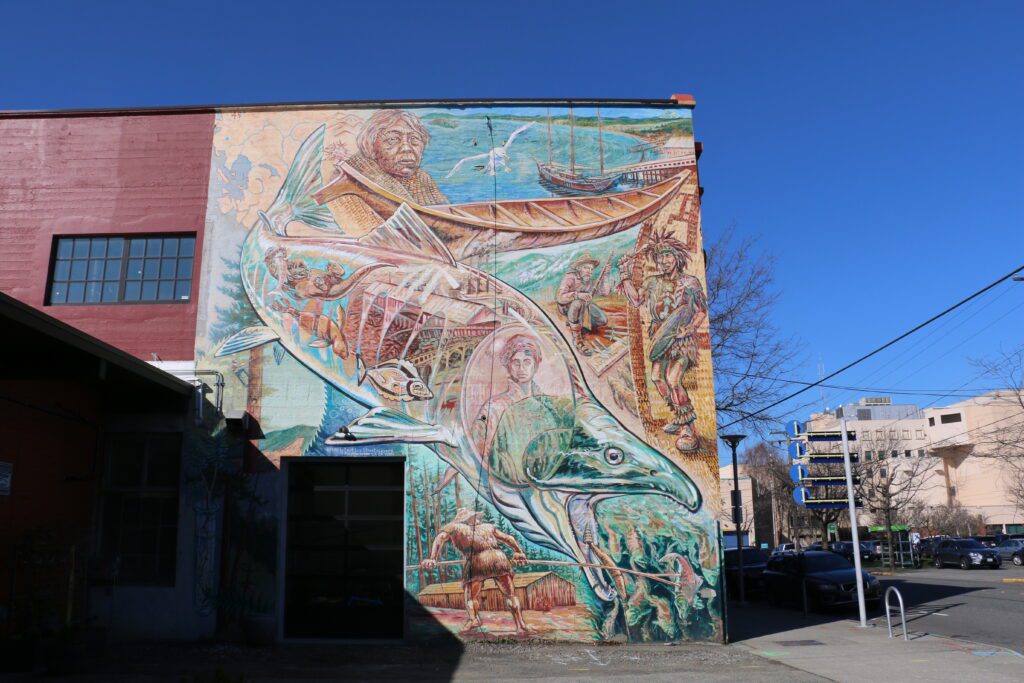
<point>600,139</point>
<point>572,141</point>
<point>549,135</point>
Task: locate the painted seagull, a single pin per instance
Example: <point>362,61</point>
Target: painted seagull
<point>496,158</point>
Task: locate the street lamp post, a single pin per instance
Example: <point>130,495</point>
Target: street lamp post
<point>737,506</point>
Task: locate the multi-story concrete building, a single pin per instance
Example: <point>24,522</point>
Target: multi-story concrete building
<point>960,441</point>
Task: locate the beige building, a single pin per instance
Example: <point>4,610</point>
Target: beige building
<point>758,525</point>
<point>967,439</point>
<point>959,441</point>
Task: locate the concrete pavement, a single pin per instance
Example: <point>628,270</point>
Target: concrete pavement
<point>839,649</point>
<point>979,604</point>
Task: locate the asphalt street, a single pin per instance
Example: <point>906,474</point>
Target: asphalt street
<point>973,605</point>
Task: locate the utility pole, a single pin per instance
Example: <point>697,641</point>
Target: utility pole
<point>854,533</point>
<point>737,505</point>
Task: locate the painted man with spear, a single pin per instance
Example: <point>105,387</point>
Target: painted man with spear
<point>481,544</point>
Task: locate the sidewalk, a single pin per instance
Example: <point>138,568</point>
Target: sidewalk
<point>840,650</point>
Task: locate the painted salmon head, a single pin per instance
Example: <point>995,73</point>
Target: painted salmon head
<point>600,459</point>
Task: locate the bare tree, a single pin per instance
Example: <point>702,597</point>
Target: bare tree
<point>892,481</point>
<point>749,351</point>
<point>944,520</point>
<point>769,471</point>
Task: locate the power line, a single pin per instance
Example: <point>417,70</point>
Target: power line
<point>879,349</point>
<point>869,390</point>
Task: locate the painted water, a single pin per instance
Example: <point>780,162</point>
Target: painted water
<point>518,180</point>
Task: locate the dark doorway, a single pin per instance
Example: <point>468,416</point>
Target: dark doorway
<point>344,554</point>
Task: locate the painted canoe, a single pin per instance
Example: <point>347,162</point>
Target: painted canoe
<point>475,229</point>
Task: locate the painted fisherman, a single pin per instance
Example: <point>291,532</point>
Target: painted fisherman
<point>480,544</point>
<point>575,300</point>
<point>678,308</point>
<point>521,357</point>
<point>391,146</point>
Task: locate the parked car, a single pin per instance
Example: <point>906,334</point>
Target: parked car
<point>829,578</point>
<point>845,549</point>
<point>1012,550</point>
<point>754,562</point>
<point>784,548</point>
<point>874,548</point>
<point>987,541</point>
<point>966,552</point>
<point>926,547</point>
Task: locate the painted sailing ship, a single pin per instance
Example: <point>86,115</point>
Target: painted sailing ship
<point>573,179</point>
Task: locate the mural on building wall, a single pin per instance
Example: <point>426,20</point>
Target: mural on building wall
<point>513,299</point>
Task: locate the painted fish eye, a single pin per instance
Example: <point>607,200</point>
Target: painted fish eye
<point>614,456</point>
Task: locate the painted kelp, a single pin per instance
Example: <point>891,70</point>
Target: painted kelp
<point>530,335</point>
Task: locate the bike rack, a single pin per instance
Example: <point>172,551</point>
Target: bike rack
<point>903,615</point>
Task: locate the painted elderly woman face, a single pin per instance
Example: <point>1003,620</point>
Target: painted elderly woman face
<point>399,150</point>
<point>522,367</point>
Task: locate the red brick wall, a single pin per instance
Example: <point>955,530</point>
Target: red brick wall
<point>103,175</point>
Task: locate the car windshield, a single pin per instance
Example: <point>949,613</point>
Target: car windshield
<point>751,556</point>
<point>970,545</point>
<point>824,563</point>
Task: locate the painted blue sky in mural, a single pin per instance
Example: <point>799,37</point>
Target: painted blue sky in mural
<point>875,147</point>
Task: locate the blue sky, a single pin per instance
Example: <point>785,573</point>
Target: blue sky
<point>875,147</point>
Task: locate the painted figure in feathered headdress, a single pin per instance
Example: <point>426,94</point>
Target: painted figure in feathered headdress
<point>678,307</point>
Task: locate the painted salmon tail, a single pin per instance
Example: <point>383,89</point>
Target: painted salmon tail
<point>295,202</point>
<point>388,426</point>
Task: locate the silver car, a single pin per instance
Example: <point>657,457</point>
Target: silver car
<point>1011,550</point>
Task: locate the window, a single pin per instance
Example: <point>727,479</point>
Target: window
<point>869,455</point>
<point>906,454</point>
<point>952,492</point>
<point>931,421</point>
<point>139,536</point>
<point>879,434</point>
<point>122,270</point>
<point>919,433</point>
<point>883,473</point>
<point>867,434</point>
<point>906,433</point>
<point>895,454</point>
<point>892,433</point>
<point>950,418</point>
<point>920,452</point>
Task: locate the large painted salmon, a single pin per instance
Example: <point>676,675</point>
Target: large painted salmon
<point>503,400</point>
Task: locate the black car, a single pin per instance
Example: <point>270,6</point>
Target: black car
<point>754,562</point>
<point>926,546</point>
<point>987,541</point>
<point>965,552</point>
<point>844,549</point>
<point>829,578</point>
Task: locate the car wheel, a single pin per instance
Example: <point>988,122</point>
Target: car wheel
<point>964,564</point>
<point>938,563</point>
<point>1018,560</point>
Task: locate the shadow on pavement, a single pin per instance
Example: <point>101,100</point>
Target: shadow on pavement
<point>757,619</point>
<point>430,652</point>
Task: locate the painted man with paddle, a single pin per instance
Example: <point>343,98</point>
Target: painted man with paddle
<point>575,299</point>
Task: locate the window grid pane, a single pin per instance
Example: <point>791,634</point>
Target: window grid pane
<point>93,270</point>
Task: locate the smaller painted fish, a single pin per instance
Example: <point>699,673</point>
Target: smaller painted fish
<point>397,380</point>
<point>323,330</point>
